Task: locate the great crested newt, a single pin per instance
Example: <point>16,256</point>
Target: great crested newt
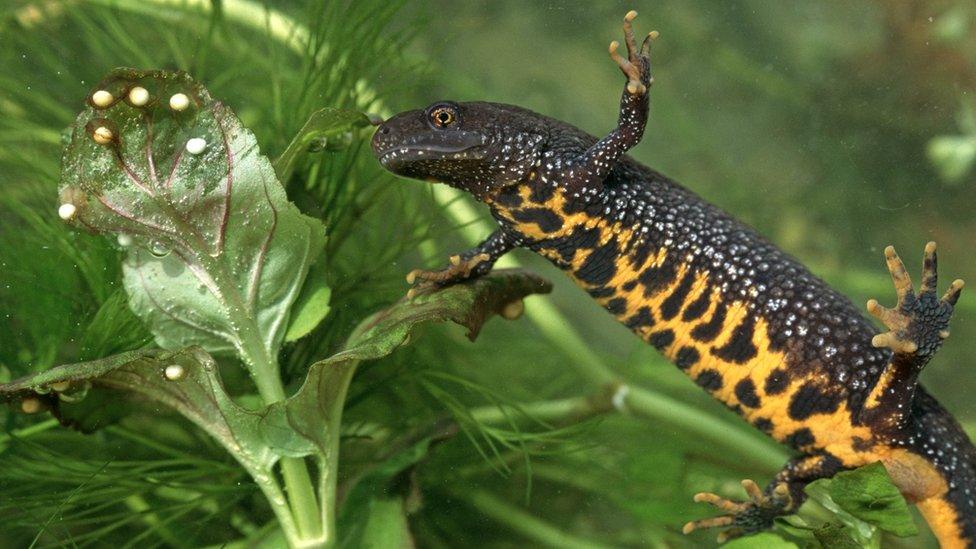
<point>747,322</point>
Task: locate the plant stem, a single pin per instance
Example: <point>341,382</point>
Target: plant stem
<point>562,411</point>
<point>25,432</point>
<point>263,366</point>
<point>526,524</point>
<point>329,469</point>
<point>301,496</point>
<point>298,483</point>
<point>682,417</point>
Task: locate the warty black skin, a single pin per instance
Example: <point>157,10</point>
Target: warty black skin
<point>746,321</point>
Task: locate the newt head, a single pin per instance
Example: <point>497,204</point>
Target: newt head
<point>478,147</point>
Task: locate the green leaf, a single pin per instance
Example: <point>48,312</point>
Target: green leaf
<point>374,512</point>
<point>868,494</point>
<point>764,540</point>
<point>833,536</point>
<point>216,254</point>
<point>386,526</point>
<point>310,309</point>
<point>795,526</point>
<point>113,329</point>
<point>321,131</point>
<point>819,491</point>
<point>186,381</point>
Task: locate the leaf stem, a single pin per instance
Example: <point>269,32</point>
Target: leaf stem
<point>294,471</point>
<point>329,464</point>
<point>265,371</point>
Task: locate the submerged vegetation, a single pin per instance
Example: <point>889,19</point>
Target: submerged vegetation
<point>557,429</point>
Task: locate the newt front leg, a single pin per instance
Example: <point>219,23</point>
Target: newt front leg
<point>473,263</point>
<point>585,174</point>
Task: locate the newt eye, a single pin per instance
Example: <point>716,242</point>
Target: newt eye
<point>442,116</point>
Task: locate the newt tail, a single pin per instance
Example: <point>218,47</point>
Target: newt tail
<point>744,320</point>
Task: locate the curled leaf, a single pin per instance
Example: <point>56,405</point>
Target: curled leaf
<point>311,416</point>
<point>323,130</point>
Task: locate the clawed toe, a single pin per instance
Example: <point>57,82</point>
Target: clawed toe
<point>721,503</point>
<point>713,522</point>
<point>630,70</point>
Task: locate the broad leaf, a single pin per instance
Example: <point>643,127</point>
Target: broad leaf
<point>833,536</point>
<point>308,423</point>
<point>386,526</point>
<point>764,540</point>
<point>186,381</point>
<point>310,309</point>
<point>868,494</point>
<point>305,424</point>
<point>819,492</point>
<point>321,131</point>
<point>216,254</point>
<point>866,501</point>
<point>374,512</point>
<point>113,329</point>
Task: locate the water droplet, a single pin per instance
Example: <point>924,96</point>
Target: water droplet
<point>158,249</point>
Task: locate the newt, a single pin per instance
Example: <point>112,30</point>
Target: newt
<point>745,320</point>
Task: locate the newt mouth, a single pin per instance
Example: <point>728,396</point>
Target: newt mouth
<point>430,146</point>
<point>400,155</point>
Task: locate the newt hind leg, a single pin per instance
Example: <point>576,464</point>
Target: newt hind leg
<point>919,322</point>
<point>782,496</point>
<point>744,517</point>
<point>917,326</point>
